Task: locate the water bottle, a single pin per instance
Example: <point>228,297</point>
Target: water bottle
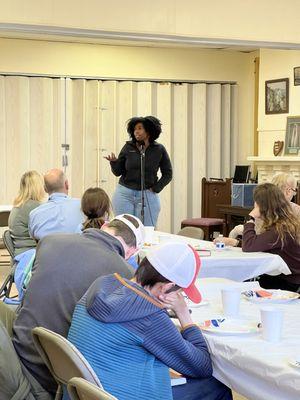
<point>219,243</point>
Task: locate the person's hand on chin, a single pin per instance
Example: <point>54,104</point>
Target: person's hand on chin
<point>176,302</point>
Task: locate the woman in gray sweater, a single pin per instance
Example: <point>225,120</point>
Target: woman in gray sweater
<point>30,196</point>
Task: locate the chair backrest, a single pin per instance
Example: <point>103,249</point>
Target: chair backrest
<point>192,232</point>
<point>8,243</point>
<point>62,358</point>
<point>214,192</point>
<point>80,389</point>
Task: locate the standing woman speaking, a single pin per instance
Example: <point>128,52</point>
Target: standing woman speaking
<point>143,132</point>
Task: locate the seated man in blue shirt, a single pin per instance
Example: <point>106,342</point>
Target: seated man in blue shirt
<point>60,214</point>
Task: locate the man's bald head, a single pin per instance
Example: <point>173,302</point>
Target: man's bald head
<point>56,181</point>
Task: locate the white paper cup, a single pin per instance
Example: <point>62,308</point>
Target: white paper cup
<point>149,234</point>
<point>271,321</point>
<point>231,298</point>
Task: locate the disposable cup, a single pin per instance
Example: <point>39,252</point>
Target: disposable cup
<point>271,321</point>
<point>149,234</point>
<point>231,298</point>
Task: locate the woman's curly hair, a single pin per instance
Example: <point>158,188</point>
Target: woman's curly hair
<point>152,126</point>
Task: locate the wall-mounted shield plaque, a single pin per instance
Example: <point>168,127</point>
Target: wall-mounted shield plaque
<point>278,147</point>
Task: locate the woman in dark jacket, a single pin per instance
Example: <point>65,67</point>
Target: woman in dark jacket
<point>143,132</point>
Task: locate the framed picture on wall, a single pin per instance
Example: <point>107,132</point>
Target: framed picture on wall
<point>277,96</point>
<point>296,76</point>
<point>292,136</point>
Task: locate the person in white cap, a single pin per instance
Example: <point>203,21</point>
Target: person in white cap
<point>123,329</point>
<point>65,267</point>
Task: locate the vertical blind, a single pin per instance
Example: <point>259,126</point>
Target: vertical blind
<point>39,115</point>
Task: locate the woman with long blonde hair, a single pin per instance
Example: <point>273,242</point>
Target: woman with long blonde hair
<point>30,196</point>
<point>280,234</point>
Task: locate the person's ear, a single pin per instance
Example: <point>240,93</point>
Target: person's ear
<point>130,251</point>
<point>104,224</point>
<point>45,189</point>
<point>165,287</point>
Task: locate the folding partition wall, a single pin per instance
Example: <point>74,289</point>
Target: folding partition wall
<point>74,123</point>
<point>32,128</point>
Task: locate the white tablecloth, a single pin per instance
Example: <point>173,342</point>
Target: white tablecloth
<point>251,366</point>
<point>231,263</point>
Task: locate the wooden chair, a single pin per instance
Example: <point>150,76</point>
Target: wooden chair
<point>80,389</point>
<point>214,191</point>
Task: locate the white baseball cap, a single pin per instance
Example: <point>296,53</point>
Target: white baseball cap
<point>179,263</point>
<point>139,232</point>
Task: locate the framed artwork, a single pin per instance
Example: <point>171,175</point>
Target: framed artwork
<point>277,96</point>
<point>292,136</point>
<point>296,76</point>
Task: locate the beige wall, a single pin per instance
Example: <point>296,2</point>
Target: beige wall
<point>262,20</point>
<point>275,64</point>
<point>72,59</point>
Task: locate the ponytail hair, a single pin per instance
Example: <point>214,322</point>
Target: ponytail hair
<point>95,205</point>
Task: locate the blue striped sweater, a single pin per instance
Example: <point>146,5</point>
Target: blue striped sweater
<point>130,341</point>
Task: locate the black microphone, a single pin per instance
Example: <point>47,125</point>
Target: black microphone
<point>141,145</point>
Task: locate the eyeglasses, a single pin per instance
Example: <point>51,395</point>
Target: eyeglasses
<point>173,289</point>
<point>294,190</point>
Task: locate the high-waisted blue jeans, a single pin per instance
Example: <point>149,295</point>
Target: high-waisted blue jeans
<point>128,201</point>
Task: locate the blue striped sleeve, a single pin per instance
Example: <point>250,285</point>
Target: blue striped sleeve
<point>187,353</point>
